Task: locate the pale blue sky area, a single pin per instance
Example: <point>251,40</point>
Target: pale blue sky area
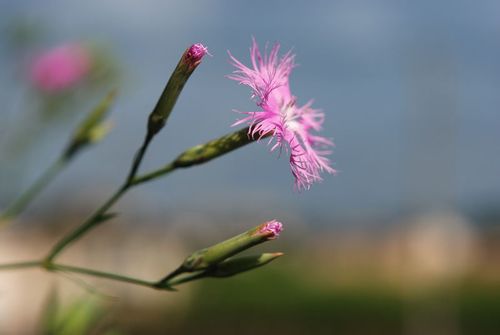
<point>410,89</point>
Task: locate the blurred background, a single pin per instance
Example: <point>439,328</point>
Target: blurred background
<point>404,240</point>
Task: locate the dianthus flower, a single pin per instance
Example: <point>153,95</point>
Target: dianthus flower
<point>290,126</point>
<point>60,68</point>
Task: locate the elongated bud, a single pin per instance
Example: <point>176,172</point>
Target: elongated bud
<point>204,152</point>
<point>93,128</point>
<point>213,255</point>
<point>238,265</point>
<point>206,261</point>
<point>190,59</point>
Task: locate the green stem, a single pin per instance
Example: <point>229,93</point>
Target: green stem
<point>98,216</point>
<point>20,265</point>
<point>201,154</point>
<point>94,220</point>
<point>139,156</point>
<point>193,156</point>
<point>153,175</point>
<point>101,274</point>
<point>85,271</point>
<point>23,201</point>
<point>181,280</point>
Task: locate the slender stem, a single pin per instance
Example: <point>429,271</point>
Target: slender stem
<point>20,265</point>
<point>184,279</point>
<point>102,274</point>
<point>23,201</point>
<point>97,218</point>
<point>202,153</point>
<point>84,271</point>
<point>164,281</point>
<point>139,156</point>
<point>196,155</point>
<point>152,175</point>
<point>94,220</point>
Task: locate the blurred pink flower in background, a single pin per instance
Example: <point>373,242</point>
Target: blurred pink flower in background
<point>289,125</point>
<point>60,68</point>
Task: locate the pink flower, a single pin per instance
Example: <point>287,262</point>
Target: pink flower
<point>290,125</point>
<point>60,68</point>
<point>271,228</point>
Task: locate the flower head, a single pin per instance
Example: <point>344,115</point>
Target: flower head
<point>290,125</point>
<point>271,228</point>
<point>60,68</point>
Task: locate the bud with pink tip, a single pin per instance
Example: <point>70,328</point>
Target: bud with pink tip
<point>210,258</point>
<point>190,59</point>
<point>215,254</point>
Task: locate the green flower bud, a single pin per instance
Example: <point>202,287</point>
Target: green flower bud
<point>93,128</point>
<point>190,59</point>
<point>205,258</point>
<point>204,152</point>
<point>204,261</point>
<point>238,265</point>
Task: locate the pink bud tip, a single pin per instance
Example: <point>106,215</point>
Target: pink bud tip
<point>272,228</point>
<point>195,53</point>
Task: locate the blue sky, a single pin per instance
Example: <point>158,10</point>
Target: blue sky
<point>410,90</point>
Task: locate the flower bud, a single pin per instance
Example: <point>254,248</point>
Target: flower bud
<point>193,55</point>
<point>204,152</point>
<point>190,59</point>
<point>93,128</point>
<point>238,265</point>
<point>213,255</point>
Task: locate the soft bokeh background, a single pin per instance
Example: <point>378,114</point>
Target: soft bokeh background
<point>404,240</point>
